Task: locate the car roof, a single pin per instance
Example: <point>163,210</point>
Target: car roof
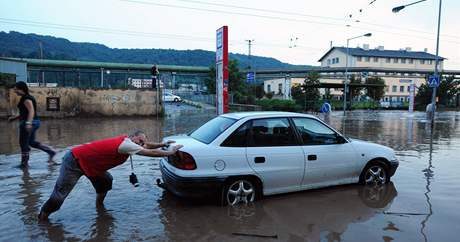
<point>264,114</point>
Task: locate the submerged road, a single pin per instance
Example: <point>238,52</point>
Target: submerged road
<point>421,203</point>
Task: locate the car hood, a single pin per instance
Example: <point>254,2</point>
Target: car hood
<point>364,147</point>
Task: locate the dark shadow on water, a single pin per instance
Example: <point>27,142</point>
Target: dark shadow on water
<point>103,226</point>
<point>304,215</point>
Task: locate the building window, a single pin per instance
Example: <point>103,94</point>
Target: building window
<point>395,88</point>
<point>376,59</point>
<point>280,88</point>
<point>337,60</point>
<point>269,88</point>
<point>401,89</point>
<point>403,61</point>
<point>422,62</point>
<point>367,58</point>
<point>395,60</point>
<point>359,58</point>
<point>411,61</point>
<point>401,99</point>
<point>388,60</point>
<point>430,62</point>
<point>328,62</point>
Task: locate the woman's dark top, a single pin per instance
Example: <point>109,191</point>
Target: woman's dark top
<point>23,112</point>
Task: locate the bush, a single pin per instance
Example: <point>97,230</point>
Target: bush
<point>279,105</point>
<point>269,95</point>
<point>7,80</point>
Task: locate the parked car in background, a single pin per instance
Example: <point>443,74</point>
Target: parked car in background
<point>243,156</point>
<point>169,97</point>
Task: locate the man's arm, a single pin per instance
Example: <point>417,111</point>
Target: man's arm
<point>153,145</point>
<point>159,153</point>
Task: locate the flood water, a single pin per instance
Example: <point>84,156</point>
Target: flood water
<point>420,204</point>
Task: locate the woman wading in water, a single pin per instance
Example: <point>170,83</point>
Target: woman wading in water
<point>28,125</point>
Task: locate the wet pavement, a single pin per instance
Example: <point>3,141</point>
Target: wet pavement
<point>421,204</point>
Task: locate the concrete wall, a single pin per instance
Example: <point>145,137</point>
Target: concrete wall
<point>114,102</point>
<point>88,102</point>
<point>4,104</point>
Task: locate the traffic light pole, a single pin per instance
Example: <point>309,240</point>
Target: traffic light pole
<point>436,71</point>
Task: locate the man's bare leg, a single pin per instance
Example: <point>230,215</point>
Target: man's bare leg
<point>43,216</point>
<point>100,199</point>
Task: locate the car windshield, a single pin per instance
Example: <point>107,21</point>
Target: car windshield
<point>213,128</point>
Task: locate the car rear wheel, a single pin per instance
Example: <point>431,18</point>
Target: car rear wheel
<point>238,191</point>
<point>375,172</point>
<point>176,99</point>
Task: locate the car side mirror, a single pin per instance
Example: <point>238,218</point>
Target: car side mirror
<point>340,139</point>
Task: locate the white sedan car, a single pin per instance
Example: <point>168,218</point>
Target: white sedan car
<point>244,156</point>
<point>169,97</point>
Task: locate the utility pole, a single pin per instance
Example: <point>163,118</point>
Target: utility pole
<point>249,52</point>
<point>41,57</point>
<point>250,62</point>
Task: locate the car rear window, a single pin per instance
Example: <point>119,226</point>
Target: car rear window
<point>213,128</point>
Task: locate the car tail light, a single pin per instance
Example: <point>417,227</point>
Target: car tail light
<point>182,160</point>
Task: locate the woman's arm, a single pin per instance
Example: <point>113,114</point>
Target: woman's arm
<point>30,116</point>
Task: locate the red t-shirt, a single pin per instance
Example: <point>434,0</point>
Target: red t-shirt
<point>97,157</point>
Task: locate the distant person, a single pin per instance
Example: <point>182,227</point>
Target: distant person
<point>429,110</point>
<point>93,160</point>
<point>28,125</point>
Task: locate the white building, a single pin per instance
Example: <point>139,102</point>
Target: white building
<point>380,58</point>
<point>398,69</point>
<point>140,83</point>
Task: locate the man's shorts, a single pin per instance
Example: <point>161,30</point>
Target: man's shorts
<point>102,183</point>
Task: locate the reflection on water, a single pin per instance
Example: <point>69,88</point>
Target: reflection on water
<point>417,211</point>
<point>305,216</point>
<point>429,174</point>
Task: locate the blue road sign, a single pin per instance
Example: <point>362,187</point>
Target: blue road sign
<point>250,77</point>
<point>433,81</point>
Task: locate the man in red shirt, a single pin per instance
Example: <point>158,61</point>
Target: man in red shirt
<point>93,160</point>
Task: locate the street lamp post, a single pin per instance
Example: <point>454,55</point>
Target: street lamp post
<point>346,71</point>
<point>436,64</point>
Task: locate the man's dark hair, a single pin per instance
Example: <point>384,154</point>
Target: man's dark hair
<point>136,132</point>
<point>22,86</point>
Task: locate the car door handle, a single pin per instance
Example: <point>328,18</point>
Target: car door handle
<point>259,159</point>
<point>312,157</point>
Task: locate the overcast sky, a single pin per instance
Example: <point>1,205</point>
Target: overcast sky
<point>191,24</point>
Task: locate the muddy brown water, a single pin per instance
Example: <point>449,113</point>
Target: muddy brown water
<point>420,204</point>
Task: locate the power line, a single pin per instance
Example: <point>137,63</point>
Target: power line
<point>263,10</point>
<point>276,17</point>
<point>312,16</point>
<point>102,30</point>
<point>229,12</point>
<point>128,33</point>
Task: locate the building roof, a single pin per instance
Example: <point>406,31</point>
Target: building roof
<point>384,53</point>
<point>107,65</point>
<point>266,114</point>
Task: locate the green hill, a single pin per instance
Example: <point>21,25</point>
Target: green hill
<point>15,44</point>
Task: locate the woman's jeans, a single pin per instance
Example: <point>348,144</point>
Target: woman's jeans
<point>27,138</point>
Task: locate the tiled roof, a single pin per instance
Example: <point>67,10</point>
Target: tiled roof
<point>385,53</point>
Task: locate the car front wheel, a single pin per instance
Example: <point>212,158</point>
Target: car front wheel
<point>375,173</point>
<point>239,191</point>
